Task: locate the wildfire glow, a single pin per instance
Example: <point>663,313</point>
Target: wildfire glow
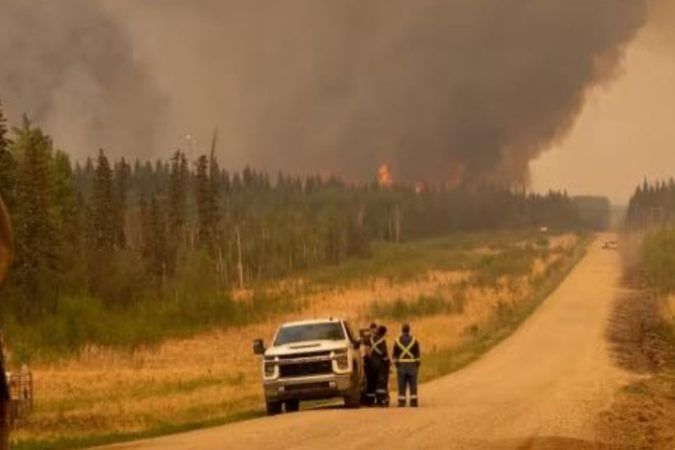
<point>384,176</point>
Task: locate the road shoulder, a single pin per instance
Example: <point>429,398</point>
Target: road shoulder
<point>642,415</point>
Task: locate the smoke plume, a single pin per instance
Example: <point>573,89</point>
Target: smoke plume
<point>71,68</point>
<point>433,88</point>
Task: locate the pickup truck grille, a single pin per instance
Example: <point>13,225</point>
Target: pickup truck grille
<point>305,355</point>
<point>306,369</point>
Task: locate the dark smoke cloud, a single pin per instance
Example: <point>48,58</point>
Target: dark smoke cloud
<point>70,67</point>
<point>338,86</point>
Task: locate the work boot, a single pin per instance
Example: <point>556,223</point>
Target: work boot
<point>401,403</point>
<point>413,403</point>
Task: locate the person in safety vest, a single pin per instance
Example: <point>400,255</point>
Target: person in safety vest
<point>380,363</point>
<point>407,357</point>
<point>371,375</point>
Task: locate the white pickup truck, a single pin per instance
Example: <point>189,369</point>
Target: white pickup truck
<point>309,360</point>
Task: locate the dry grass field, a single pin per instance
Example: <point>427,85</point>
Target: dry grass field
<point>105,394</point>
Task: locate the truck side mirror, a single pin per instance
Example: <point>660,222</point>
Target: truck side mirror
<point>258,347</point>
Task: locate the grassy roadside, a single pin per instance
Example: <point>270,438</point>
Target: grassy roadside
<point>480,341</point>
<point>476,253</point>
<point>643,340</point>
<point>116,438</point>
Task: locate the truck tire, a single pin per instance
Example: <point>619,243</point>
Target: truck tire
<point>353,399</point>
<point>292,405</point>
<point>273,408</point>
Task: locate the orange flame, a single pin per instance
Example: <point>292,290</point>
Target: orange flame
<point>384,176</point>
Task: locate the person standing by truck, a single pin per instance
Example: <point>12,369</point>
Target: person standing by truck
<point>371,375</point>
<point>380,363</point>
<point>407,358</point>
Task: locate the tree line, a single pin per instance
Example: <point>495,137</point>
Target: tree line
<point>123,231</point>
<point>652,204</point>
<point>652,209</point>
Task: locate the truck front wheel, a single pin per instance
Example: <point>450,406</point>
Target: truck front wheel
<point>273,408</point>
<point>292,405</point>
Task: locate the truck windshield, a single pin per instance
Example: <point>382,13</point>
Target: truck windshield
<point>329,331</point>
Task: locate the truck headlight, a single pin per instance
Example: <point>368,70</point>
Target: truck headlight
<point>342,359</point>
<point>268,367</point>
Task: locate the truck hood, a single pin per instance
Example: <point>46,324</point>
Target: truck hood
<point>298,348</point>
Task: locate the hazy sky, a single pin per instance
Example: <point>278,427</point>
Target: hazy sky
<point>434,88</point>
<point>438,89</point>
<point>627,128</point>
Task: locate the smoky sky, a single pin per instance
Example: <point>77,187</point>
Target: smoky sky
<point>70,68</point>
<point>308,85</point>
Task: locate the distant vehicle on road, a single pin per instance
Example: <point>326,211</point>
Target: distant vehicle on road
<point>610,245</point>
<point>309,360</point>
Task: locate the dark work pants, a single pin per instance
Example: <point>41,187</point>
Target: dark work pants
<point>407,378</point>
<point>381,370</point>
<point>371,380</point>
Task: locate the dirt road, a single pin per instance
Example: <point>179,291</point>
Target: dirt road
<point>541,388</point>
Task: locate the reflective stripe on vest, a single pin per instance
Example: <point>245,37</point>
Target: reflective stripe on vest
<point>406,352</point>
<point>374,344</point>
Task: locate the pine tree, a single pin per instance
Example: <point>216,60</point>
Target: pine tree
<point>155,242</point>
<point>7,164</point>
<point>214,195</point>
<point>68,207</point>
<point>4,139</point>
<point>103,206</point>
<point>177,208</point>
<point>177,194</point>
<point>204,199</point>
<point>35,221</point>
<point>122,177</point>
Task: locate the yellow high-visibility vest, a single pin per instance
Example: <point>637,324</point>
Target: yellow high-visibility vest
<point>406,352</point>
<point>374,344</point>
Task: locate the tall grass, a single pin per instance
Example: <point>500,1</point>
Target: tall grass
<point>512,262</point>
<point>85,320</point>
<point>409,260</point>
<point>424,306</point>
<point>505,320</point>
